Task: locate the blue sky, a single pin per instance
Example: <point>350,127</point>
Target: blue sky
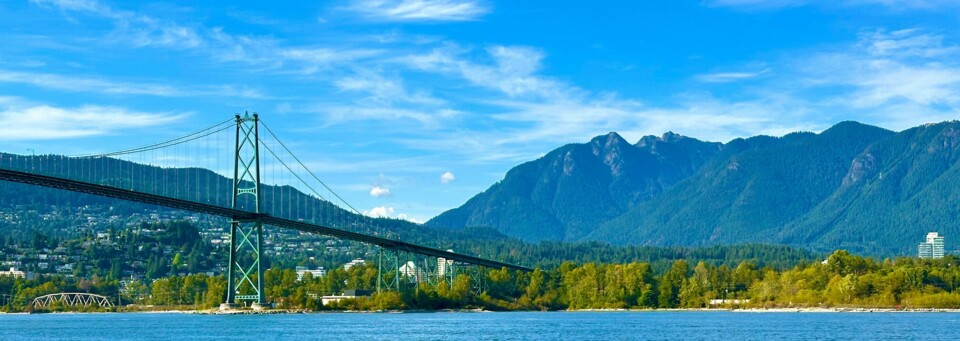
<point>408,108</point>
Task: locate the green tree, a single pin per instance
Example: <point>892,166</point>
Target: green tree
<point>670,284</point>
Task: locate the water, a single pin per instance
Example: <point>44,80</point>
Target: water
<point>487,326</point>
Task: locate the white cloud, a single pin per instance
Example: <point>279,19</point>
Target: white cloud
<point>447,177</point>
<point>420,10</point>
<point>406,217</point>
<point>389,212</point>
<point>378,191</point>
<point>380,212</point>
<point>97,85</point>
<point>44,122</point>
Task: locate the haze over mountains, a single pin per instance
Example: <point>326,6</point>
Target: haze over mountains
<point>853,186</point>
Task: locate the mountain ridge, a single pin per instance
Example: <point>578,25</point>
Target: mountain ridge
<point>821,191</point>
<point>614,173</point>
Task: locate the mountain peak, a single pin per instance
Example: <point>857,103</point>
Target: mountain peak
<point>672,137</point>
<point>669,136</point>
<point>607,143</point>
<point>608,139</point>
<point>846,128</point>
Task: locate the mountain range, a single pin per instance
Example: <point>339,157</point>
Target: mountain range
<point>852,186</point>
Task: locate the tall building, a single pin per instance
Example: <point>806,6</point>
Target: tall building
<point>444,265</point>
<point>932,248</point>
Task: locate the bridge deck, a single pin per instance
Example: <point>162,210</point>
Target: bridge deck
<point>146,198</point>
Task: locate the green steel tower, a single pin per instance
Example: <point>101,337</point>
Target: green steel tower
<point>245,271</point>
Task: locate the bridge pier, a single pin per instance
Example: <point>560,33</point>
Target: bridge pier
<point>245,269</point>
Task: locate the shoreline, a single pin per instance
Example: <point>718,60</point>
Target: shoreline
<point>678,310</point>
<point>784,310</point>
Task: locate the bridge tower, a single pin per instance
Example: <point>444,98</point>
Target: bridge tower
<point>245,271</point>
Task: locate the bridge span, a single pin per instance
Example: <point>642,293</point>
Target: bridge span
<point>72,299</point>
<point>191,188</point>
<point>230,213</point>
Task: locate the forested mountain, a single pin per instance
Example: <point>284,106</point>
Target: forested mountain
<point>893,193</point>
<point>750,191</point>
<point>566,194</point>
<point>852,186</point>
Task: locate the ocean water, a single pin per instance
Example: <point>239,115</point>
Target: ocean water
<point>486,326</point>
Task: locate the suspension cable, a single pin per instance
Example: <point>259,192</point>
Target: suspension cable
<point>164,144</point>
<point>308,170</point>
<point>291,170</point>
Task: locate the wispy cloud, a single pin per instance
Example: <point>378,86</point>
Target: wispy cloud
<point>728,77</point>
<point>92,6</point>
<point>97,85</point>
<point>317,58</point>
<point>384,90</point>
<point>420,10</point>
<point>382,115</point>
<point>135,29</point>
<point>28,121</point>
<point>513,70</point>
<point>899,69</point>
<point>138,30</point>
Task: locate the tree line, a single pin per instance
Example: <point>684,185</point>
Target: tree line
<point>842,280</point>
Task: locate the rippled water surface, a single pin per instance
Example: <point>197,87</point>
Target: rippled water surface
<point>493,326</point>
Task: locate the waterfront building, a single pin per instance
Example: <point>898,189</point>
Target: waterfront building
<point>932,248</point>
<point>348,294</point>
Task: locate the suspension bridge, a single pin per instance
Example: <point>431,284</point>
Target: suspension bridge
<point>270,185</point>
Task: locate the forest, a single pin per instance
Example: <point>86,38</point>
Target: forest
<point>841,280</point>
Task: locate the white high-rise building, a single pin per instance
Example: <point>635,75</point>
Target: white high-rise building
<point>932,248</point>
<point>444,265</point>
